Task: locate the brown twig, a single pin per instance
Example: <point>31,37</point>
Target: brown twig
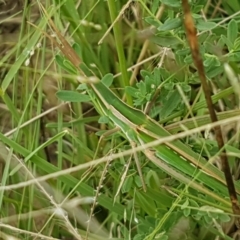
<point>64,46</point>
<point>192,38</point>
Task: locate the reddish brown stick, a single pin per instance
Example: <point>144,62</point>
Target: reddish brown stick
<point>193,42</point>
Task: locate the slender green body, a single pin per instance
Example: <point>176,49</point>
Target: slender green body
<point>139,128</point>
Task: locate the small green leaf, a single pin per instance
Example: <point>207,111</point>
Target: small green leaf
<point>171,103</point>
<point>156,77</point>
<point>208,61</point>
<point>170,24</point>
<point>101,132</point>
<point>213,72</point>
<point>77,48</point>
<point>127,185</point>
<point>207,219</point>
<point>169,86</point>
<point>165,41</point>
<point>148,97</point>
<point>188,59</point>
<point>82,86</point>
<point>71,96</point>
<point>186,212</point>
<point>172,3</point>
<point>131,91</point>
<point>237,44</point>
<point>205,26</point>
<point>145,73</point>
<point>103,119</point>
<point>154,6</point>
<point>216,62</point>
<point>146,203</point>
<point>196,9</point>
<point>142,87</point>
<point>59,60</point>
<point>185,204</point>
<point>224,218</point>
<point>227,42</point>
<point>107,80</point>
<point>232,31</point>
<point>152,21</point>
<point>65,64</point>
<point>193,203</point>
<point>234,57</point>
<point>183,52</point>
<point>69,67</point>
<point>220,43</point>
<point>185,87</point>
<point>138,181</point>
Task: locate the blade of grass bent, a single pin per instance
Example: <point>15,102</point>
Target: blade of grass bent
<point>199,121</point>
<point>25,53</point>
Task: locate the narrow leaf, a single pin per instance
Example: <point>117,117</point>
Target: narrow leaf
<point>71,96</point>
<point>152,21</point>
<point>70,68</point>
<point>171,24</point>
<point>232,31</point>
<point>127,185</point>
<point>171,104</point>
<point>172,3</point>
<point>205,26</point>
<point>77,48</point>
<point>131,91</point>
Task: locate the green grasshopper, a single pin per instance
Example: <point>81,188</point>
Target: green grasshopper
<point>175,158</point>
<point>141,129</point>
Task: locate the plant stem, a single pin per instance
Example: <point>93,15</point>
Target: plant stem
<point>119,45</point>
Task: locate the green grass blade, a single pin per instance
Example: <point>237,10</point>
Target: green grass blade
<point>25,54</point>
<point>83,188</point>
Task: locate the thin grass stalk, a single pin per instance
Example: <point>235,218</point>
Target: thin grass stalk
<point>118,35</point>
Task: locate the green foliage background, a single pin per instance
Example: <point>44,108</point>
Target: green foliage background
<point>144,59</point>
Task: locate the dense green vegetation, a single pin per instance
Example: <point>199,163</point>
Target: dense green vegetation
<point>101,148</point>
